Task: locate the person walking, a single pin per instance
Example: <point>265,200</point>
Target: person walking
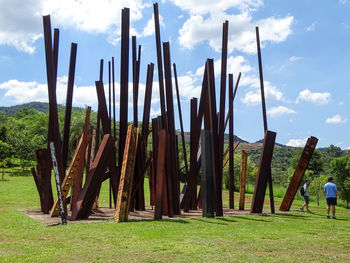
<point>306,196</point>
<point>331,191</point>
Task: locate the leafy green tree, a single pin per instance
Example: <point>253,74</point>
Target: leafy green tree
<point>316,187</point>
<point>340,168</point>
<point>5,153</point>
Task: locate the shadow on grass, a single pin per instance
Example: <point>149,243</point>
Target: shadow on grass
<point>179,221</point>
<point>210,220</point>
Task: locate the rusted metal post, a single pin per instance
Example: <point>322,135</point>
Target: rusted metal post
<point>234,95</point>
<point>299,173</point>
<point>243,180</point>
<point>54,134</point>
<point>126,176</point>
<point>160,183</point>
<point>263,172</point>
<point>159,60</point>
<point>124,82</point>
<point>180,119</point>
<point>172,168</point>
<point>207,180</point>
<point>113,92</point>
<point>231,142</point>
<point>69,99</point>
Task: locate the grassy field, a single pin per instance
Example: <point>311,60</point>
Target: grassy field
<point>292,237</point>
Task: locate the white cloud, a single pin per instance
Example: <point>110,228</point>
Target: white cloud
<point>294,58</point>
<point>336,119</point>
<point>311,27</point>
<point>149,28</point>
<point>297,142</point>
<point>343,2</point>
<point>21,21</point>
<point>20,24</point>
<point>253,97</point>
<point>242,36</point>
<point>203,7</point>
<point>319,98</point>
<point>275,112</point>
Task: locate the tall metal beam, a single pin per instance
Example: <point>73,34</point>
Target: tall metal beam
<point>69,99</point>
<point>299,173</point>
<point>124,82</point>
<point>159,60</point>
<point>231,142</point>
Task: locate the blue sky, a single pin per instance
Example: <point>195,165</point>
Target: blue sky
<point>305,51</point>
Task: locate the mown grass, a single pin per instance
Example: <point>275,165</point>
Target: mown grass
<point>291,237</point>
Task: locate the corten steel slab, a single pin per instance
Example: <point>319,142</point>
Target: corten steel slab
<point>35,177</point>
<point>79,173</point>
<point>243,180</point>
<point>172,168</point>
<point>263,172</point>
<point>221,119</point>
<point>299,173</point>
<point>160,178</point>
<point>113,92</point>
<point>124,82</point>
<point>159,60</point>
<point>71,174</point>
<point>136,77</point>
<point>69,99</point>
<point>43,168</point>
<point>101,70</point>
<point>93,180</point>
<point>180,118</point>
<point>54,134</point>
<point>207,180</point>
<point>62,209</point>
<point>126,176</point>
<point>214,129</point>
<point>231,141</point>
<point>144,138</point>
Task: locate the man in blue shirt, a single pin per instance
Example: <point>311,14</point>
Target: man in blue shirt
<point>331,191</point>
<point>306,196</point>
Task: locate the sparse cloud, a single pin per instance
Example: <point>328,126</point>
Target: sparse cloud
<point>279,111</point>
<point>294,58</point>
<point>311,27</point>
<point>336,119</point>
<point>297,142</point>
<point>318,98</point>
<point>206,18</point>
<point>149,28</point>
<point>343,2</point>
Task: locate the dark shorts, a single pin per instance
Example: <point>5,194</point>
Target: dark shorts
<point>331,201</point>
<point>306,198</point>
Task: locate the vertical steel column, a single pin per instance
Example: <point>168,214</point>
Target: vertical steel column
<point>54,134</point>
<point>124,79</point>
<point>69,99</point>
<point>174,169</point>
<point>231,142</point>
<point>159,61</point>
<point>243,180</point>
<point>207,180</point>
<point>264,172</point>
<point>180,118</point>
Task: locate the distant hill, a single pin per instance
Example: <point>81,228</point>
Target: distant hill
<point>39,106</point>
<point>279,144</point>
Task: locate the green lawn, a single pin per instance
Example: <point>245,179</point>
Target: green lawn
<point>293,237</point>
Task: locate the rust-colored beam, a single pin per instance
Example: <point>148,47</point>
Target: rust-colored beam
<point>124,82</point>
<point>264,171</point>
<point>299,173</point>
<point>126,176</point>
<point>54,134</point>
<point>243,180</point>
<point>180,119</point>
<point>69,100</point>
<point>160,183</point>
<point>172,168</point>
<point>231,142</point>
<point>102,107</point>
<point>93,179</point>
<point>159,60</point>
<point>233,98</point>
